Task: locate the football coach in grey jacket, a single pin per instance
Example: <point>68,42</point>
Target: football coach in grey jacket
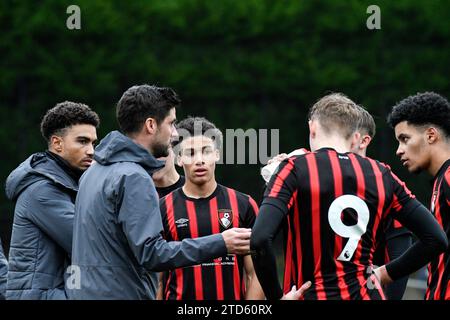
<point>44,188</point>
<point>118,227</point>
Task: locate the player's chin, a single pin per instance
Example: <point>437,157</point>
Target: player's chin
<point>84,166</point>
<point>200,180</point>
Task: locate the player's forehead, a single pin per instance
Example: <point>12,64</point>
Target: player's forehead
<point>405,129</point>
<point>197,142</point>
<point>81,131</point>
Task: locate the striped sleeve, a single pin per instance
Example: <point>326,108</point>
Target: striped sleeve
<point>282,185</point>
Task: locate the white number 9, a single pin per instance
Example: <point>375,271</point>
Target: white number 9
<point>353,233</point>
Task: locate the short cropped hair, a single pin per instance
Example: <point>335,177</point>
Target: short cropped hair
<point>64,115</point>
<point>199,126</point>
<point>336,112</point>
<point>144,101</point>
<point>422,109</point>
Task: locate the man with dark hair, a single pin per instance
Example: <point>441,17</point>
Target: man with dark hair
<point>422,128</point>
<point>204,207</point>
<point>336,202</point>
<point>118,227</point>
<point>43,188</point>
<point>3,272</point>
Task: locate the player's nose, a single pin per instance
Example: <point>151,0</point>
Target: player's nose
<point>399,151</point>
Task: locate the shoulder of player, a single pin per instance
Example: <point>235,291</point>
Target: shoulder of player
<point>240,196</point>
<point>174,195</point>
<point>384,167</point>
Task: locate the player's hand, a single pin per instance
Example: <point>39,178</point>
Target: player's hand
<point>278,158</point>
<point>295,294</point>
<point>382,275</point>
<point>237,240</point>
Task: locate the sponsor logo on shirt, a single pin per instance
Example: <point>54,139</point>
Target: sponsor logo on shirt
<point>182,222</point>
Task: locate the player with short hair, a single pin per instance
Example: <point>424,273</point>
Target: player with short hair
<point>44,188</point>
<point>422,128</point>
<point>203,207</point>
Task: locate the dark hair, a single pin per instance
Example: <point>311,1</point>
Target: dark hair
<point>336,112</point>
<point>422,109</point>
<point>366,123</point>
<point>64,115</point>
<point>139,103</point>
<point>198,126</point>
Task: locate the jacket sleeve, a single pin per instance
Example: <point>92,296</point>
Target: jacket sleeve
<point>140,217</point>
<point>3,273</point>
<point>52,211</point>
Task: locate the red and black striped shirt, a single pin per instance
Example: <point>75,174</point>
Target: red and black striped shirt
<point>337,204</point>
<point>439,269</point>
<point>184,217</point>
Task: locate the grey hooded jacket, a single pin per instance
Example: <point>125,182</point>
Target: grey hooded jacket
<point>3,272</point>
<point>41,240</point>
<point>117,229</point>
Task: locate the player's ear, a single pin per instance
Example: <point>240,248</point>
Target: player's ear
<point>431,135</point>
<point>312,128</point>
<point>217,154</point>
<point>56,143</point>
<point>365,141</point>
<point>150,125</point>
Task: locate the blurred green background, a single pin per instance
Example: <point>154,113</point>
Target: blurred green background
<point>242,64</point>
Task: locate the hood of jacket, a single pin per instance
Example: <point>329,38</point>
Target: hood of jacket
<point>116,147</point>
<point>37,167</point>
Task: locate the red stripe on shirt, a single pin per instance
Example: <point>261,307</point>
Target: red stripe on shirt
<point>236,275</point>
<point>298,246</point>
<point>338,191</point>
<point>315,221</point>
<point>381,202</point>
<point>179,289</point>
<point>360,191</point>
<point>194,234</point>
<point>281,176</point>
<point>437,214</point>
<point>173,231</point>
<point>171,217</point>
<point>213,208</point>
<point>288,260</point>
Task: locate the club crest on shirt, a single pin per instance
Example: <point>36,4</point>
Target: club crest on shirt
<point>225,217</point>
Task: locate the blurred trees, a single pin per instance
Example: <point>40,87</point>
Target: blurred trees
<point>242,64</point>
